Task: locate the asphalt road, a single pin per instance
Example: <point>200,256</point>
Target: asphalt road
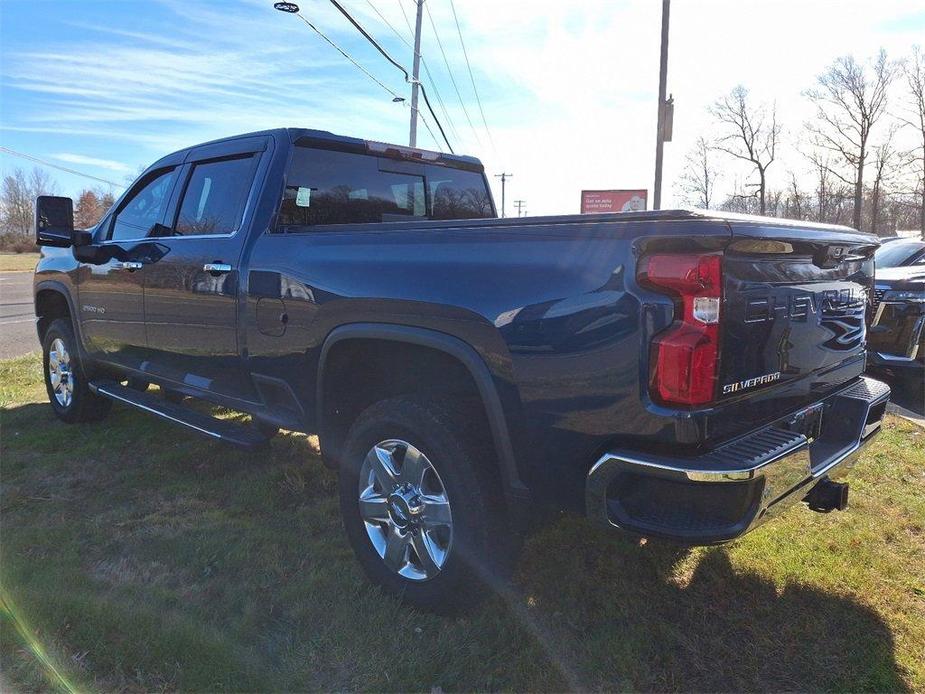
<point>17,318</point>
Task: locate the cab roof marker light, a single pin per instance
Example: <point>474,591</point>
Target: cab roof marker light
<point>401,152</point>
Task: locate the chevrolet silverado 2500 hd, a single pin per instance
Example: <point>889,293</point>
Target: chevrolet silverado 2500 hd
<point>682,375</point>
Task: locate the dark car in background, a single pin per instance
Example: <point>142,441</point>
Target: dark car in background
<point>900,253</point>
<point>897,321</point>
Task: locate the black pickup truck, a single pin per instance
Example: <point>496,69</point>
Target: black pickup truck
<point>673,374</point>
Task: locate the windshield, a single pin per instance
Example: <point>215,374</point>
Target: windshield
<point>329,187</point>
<point>897,253</point>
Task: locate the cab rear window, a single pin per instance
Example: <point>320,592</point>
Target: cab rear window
<point>325,187</point>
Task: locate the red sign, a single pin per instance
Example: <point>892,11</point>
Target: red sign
<point>596,201</point>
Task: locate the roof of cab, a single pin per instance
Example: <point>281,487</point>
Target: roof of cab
<point>293,135</point>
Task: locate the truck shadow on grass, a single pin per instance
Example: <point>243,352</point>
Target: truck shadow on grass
<point>142,557</point>
<point>662,617</point>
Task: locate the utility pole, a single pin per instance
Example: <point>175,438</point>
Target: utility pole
<point>415,68</point>
<point>520,204</point>
<point>663,108</point>
<point>503,177</point>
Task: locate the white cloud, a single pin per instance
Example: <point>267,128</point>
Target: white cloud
<point>92,161</point>
<point>590,74</point>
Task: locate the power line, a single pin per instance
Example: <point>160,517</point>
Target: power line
<point>405,15</point>
<point>344,53</point>
<point>7,150</point>
<point>395,96</point>
<point>433,82</point>
<point>471,78</point>
<point>446,112</point>
<point>392,60</point>
<point>449,70</point>
<point>389,24</point>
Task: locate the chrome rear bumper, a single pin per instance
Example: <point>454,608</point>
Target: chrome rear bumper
<point>720,495</point>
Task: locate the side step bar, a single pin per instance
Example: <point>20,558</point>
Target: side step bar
<point>229,432</point>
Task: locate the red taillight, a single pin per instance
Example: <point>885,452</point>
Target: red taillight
<point>684,358</point>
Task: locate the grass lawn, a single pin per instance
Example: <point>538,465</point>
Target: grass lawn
<point>18,262</point>
<point>138,557</point>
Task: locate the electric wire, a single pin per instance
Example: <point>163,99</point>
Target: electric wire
<point>366,72</point>
<point>344,53</point>
<point>408,77</point>
<point>22,155</point>
<point>401,6</point>
<point>450,72</point>
<point>391,26</point>
<point>471,77</point>
<point>433,83</point>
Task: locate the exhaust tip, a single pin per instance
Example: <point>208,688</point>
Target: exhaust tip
<point>827,496</point>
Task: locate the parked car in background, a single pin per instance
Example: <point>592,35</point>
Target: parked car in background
<point>675,374</point>
<point>896,334</point>
<point>900,253</point>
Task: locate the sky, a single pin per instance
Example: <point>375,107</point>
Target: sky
<point>568,89</point>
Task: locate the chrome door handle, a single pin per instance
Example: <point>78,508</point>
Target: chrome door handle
<point>130,265</point>
<point>216,268</point>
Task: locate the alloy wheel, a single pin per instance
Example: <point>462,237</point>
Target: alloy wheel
<point>405,509</point>
<point>60,373</point>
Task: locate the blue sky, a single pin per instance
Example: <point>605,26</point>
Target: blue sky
<point>568,89</point>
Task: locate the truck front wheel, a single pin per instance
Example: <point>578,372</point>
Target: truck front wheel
<point>65,380</point>
<point>418,509</point>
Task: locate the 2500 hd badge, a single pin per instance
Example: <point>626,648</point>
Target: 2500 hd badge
<point>750,383</point>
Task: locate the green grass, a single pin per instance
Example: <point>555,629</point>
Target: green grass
<point>18,262</point>
<point>137,557</point>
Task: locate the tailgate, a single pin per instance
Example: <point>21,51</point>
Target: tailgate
<point>794,304</point>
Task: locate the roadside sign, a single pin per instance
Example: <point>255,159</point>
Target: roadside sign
<point>596,201</point>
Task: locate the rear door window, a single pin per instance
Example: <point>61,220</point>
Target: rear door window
<point>325,187</point>
<point>215,197</point>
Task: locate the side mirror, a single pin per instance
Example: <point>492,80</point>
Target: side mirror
<point>54,221</point>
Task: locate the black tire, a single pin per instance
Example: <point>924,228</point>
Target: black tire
<point>84,405</point>
<point>478,539</point>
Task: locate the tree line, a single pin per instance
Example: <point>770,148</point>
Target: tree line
<point>17,207</point>
<point>850,165</point>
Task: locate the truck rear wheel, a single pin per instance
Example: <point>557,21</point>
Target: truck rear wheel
<point>417,507</point>
<point>65,380</point>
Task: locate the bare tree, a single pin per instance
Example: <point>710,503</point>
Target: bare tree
<point>699,175</point>
<point>87,211</point>
<point>914,116</point>
<point>796,200</point>
<point>17,202</point>
<point>884,167</point>
<point>832,199</point>
<point>107,199</point>
<point>752,134</point>
<point>850,98</point>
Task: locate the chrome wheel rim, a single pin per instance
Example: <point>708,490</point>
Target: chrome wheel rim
<point>60,375</point>
<point>406,510</point>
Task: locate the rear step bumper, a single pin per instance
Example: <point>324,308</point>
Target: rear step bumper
<point>718,496</point>
<point>220,429</point>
